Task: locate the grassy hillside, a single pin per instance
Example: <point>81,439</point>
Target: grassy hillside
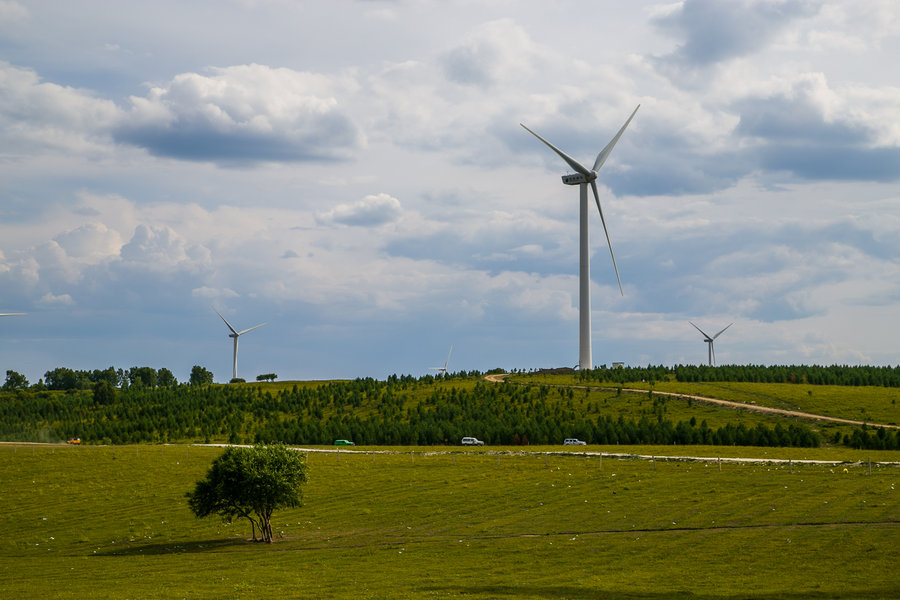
<point>112,522</point>
<point>535,408</point>
<point>862,403</point>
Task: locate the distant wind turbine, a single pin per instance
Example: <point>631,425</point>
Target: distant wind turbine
<point>446,362</point>
<point>709,340</point>
<point>583,177</point>
<point>235,334</point>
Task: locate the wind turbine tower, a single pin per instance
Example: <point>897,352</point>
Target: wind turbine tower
<point>235,334</point>
<point>709,341</point>
<point>582,178</point>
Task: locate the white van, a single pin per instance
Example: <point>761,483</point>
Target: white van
<point>574,442</point>
<point>470,441</point>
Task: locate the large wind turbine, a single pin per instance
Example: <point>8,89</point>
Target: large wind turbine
<point>235,334</point>
<point>709,341</point>
<point>582,178</point>
<point>446,362</point>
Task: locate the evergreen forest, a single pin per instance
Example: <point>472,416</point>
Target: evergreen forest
<point>111,407</point>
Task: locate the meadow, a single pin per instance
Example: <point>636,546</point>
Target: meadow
<point>868,403</point>
<point>872,404</point>
<point>112,522</point>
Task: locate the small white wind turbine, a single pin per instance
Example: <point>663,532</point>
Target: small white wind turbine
<point>446,362</point>
<point>235,334</point>
<point>709,341</point>
<point>584,177</point>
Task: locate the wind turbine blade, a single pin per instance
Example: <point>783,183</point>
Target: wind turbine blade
<point>576,166</point>
<point>604,154</point>
<point>251,329</point>
<point>603,220</point>
<point>721,332</point>
<point>712,349</point>
<point>447,362</point>
<point>226,322</point>
<point>11,314</point>
<point>700,330</point>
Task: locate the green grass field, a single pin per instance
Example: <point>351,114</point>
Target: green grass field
<point>112,522</point>
<point>872,404</point>
<point>864,403</point>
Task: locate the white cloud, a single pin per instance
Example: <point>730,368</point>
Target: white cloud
<point>492,52</point>
<point>38,116</point>
<point>162,248</point>
<point>54,264</point>
<point>716,31</point>
<point>49,299</point>
<point>371,211</point>
<point>213,293</point>
<point>854,26</point>
<point>90,243</point>
<point>245,113</point>
<point>12,12</point>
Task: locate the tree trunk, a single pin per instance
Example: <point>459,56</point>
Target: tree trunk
<point>265,525</point>
<point>254,525</point>
<point>267,532</point>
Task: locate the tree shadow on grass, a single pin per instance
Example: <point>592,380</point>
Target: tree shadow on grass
<point>581,593</point>
<point>133,549</point>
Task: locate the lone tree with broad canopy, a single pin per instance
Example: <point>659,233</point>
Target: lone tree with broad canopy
<point>251,483</point>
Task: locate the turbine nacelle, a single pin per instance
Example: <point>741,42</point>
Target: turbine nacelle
<point>578,178</point>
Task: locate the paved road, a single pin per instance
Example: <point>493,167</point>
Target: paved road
<point>506,451</point>
<point>600,455</point>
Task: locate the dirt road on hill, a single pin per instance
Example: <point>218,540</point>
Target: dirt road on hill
<point>499,378</point>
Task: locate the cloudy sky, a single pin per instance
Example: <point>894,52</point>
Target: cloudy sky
<point>354,175</point>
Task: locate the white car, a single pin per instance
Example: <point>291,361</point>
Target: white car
<point>470,441</point>
<point>574,442</point>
